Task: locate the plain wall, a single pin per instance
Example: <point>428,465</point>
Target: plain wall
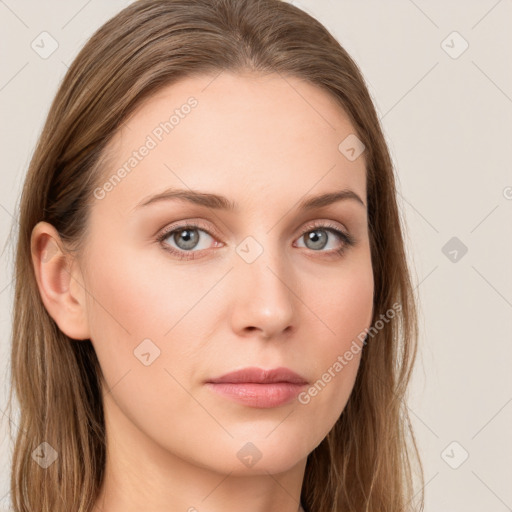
<point>447,115</point>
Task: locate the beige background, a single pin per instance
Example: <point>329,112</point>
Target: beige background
<point>447,115</point>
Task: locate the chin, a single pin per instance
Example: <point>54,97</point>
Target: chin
<point>274,453</point>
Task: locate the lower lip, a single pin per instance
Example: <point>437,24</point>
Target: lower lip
<point>258,395</point>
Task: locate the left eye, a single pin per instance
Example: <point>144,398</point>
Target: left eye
<point>317,238</point>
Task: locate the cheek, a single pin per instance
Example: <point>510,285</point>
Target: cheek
<point>146,330</point>
<point>139,295</point>
<point>136,306</point>
<point>344,306</point>
<point>351,305</point>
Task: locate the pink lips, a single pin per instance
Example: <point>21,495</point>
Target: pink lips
<point>256,387</point>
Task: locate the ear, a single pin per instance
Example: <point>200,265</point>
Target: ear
<point>60,281</point>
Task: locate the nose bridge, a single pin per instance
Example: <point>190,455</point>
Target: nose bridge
<point>264,298</point>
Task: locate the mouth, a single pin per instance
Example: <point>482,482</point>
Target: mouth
<point>256,387</point>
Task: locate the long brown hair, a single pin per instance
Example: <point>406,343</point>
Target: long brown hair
<point>366,461</point>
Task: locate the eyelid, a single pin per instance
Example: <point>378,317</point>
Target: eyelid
<point>323,224</point>
<point>181,225</point>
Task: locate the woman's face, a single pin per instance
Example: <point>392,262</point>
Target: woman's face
<point>260,285</point>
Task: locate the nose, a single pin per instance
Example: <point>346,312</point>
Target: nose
<point>264,300</point>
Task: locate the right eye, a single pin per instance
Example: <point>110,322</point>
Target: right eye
<point>186,238</point>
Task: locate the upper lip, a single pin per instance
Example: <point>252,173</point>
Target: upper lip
<point>261,376</point>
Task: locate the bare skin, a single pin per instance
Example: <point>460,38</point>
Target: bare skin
<point>266,143</point>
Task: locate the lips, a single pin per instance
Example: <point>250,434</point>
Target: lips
<point>256,387</point>
<point>260,376</point>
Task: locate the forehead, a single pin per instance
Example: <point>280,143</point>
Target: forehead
<point>246,135</point>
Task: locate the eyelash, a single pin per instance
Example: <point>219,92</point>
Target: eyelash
<point>347,239</point>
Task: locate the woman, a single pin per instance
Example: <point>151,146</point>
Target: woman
<point>213,307</point>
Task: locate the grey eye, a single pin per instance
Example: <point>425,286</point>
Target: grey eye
<point>186,239</point>
<point>316,239</point>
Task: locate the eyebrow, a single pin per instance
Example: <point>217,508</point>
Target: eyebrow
<point>219,202</point>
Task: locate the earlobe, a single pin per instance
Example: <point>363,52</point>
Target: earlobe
<point>59,281</point>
